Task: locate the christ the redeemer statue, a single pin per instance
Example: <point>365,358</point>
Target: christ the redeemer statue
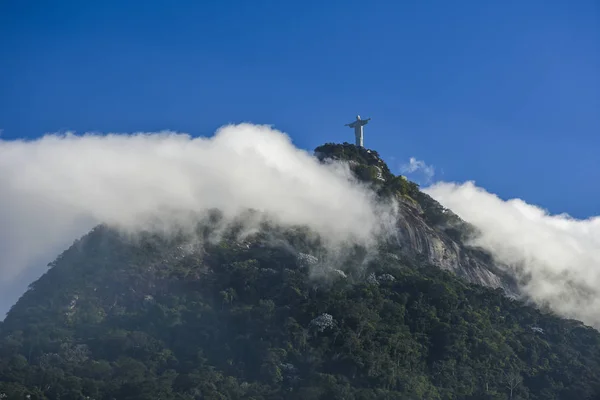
<point>358,129</point>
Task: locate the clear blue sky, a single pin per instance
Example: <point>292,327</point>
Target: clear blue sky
<point>503,92</point>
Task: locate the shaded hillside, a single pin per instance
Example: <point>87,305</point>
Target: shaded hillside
<point>162,318</point>
<point>224,314</point>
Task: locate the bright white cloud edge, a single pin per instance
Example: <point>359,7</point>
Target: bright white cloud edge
<point>58,187</point>
<point>556,256</point>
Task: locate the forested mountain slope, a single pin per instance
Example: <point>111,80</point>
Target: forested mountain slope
<point>275,315</point>
<point>426,230</point>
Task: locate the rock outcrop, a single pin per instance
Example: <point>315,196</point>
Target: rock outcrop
<point>426,231</point>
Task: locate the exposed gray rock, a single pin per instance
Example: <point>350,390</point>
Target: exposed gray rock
<point>418,240</point>
<point>386,278</point>
<point>322,322</point>
<point>372,279</point>
<point>307,260</point>
<point>340,273</point>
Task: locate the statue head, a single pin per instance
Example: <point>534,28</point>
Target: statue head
<point>358,117</point>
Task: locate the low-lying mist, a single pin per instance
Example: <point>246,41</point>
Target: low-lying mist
<point>555,257</point>
<point>56,188</point>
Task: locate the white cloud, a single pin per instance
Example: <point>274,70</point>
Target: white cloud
<point>419,167</point>
<point>556,257</point>
<point>56,188</point>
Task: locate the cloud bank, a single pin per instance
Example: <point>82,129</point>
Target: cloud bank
<point>56,188</point>
<point>556,257</point>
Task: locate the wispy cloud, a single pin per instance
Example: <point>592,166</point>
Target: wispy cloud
<point>418,167</point>
<point>556,257</point>
<point>56,188</point>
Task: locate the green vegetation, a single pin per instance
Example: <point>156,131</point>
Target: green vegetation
<point>145,320</point>
<point>368,167</point>
<point>169,318</point>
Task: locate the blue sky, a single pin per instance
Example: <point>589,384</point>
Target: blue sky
<point>503,93</point>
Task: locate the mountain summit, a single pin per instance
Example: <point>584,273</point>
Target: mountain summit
<point>426,231</point>
<point>251,309</point>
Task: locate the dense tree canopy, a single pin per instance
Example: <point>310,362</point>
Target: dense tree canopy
<point>274,315</point>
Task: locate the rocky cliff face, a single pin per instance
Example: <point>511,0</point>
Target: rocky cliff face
<point>419,240</point>
<point>427,232</point>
